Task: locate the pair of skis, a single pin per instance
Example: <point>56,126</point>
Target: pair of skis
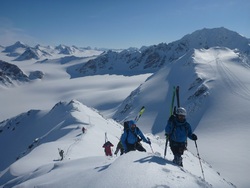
<point>140,113</point>
<point>172,110</point>
<point>138,117</point>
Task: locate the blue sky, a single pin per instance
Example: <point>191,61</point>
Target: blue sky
<point>116,23</point>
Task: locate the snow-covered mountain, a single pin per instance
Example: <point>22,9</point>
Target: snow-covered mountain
<point>16,49</point>
<point>10,73</point>
<point>151,59</point>
<point>30,54</point>
<point>24,52</point>
<point>211,66</point>
<point>34,137</point>
<point>195,72</point>
<point>215,90</point>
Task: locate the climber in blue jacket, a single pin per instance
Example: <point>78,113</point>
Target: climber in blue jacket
<point>131,138</point>
<point>177,130</point>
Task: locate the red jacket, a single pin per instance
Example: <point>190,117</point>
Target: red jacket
<point>107,148</point>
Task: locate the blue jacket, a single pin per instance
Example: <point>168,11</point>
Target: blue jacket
<point>130,137</point>
<point>178,131</point>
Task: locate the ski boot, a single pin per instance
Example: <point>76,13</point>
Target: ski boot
<point>178,160</point>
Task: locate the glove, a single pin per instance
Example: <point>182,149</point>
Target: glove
<point>149,142</point>
<point>194,137</point>
<point>167,136</point>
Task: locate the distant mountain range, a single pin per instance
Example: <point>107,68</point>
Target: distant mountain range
<point>130,61</point>
<point>23,52</point>
<point>11,74</point>
<point>151,59</point>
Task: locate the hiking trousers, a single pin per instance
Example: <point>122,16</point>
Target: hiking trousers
<point>137,146</point>
<point>178,148</point>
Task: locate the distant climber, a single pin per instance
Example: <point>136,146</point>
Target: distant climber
<point>61,153</point>
<point>83,130</point>
<point>107,148</point>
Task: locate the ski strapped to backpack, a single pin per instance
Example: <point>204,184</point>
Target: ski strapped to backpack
<point>140,113</point>
<point>172,111</point>
<point>106,137</point>
<point>172,102</point>
<point>177,96</point>
<point>126,123</point>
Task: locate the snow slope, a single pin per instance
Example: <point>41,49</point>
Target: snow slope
<point>215,89</point>
<point>84,164</point>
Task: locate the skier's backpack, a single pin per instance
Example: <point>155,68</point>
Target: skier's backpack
<point>126,125</point>
<point>107,144</point>
<point>126,128</point>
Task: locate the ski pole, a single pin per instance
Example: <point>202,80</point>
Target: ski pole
<point>150,146</point>
<point>166,145</point>
<point>199,159</point>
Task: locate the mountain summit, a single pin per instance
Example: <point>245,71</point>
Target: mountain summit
<point>207,38</point>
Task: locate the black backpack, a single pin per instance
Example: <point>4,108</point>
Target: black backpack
<point>126,125</point>
<point>126,128</point>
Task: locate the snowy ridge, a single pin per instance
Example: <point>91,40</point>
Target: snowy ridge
<point>151,59</point>
<point>84,162</point>
<point>215,85</point>
<point>202,70</point>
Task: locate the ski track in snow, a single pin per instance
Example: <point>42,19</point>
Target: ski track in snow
<point>77,140</point>
<point>235,85</point>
